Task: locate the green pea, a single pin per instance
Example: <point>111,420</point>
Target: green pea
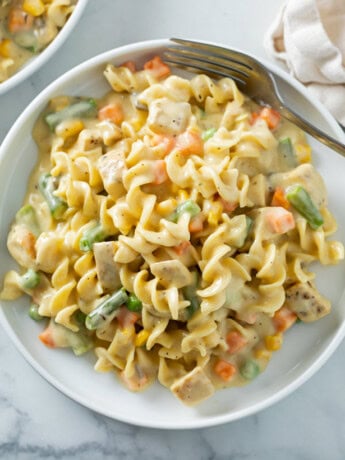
<point>30,279</point>
<point>133,303</point>
<point>33,312</point>
<point>249,369</point>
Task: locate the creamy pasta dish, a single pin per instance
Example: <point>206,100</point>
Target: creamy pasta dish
<point>169,227</point>
<point>26,28</point>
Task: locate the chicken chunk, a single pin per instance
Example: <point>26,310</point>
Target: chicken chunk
<point>50,252</point>
<point>107,268</point>
<point>21,245</point>
<point>193,387</point>
<point>172,273</point>
<point>111,167</point>
<point>307,176</point>
<point>308,304</point>
<point>168,117</point>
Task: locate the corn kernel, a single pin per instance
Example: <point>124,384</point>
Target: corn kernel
<point>34,7</point>
<point>166,207</point>
<point>273,342</point>
<point>303,152</point>
<point>182,195</point>
<point>141,338</point>
<point>69,128</point>
<point>262,353</point>
<point>5,50</point>
<point>215,213</point>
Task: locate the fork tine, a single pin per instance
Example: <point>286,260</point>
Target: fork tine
<point>224,63</point>
<point>185,63</point>
<point>240,58</point>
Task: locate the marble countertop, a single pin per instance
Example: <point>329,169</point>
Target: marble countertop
<point>36,421</point>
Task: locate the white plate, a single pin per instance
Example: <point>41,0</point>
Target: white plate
<point>38,61</point>
<point>306,347</point>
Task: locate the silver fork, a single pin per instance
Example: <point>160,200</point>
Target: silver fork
<point>251,77</point>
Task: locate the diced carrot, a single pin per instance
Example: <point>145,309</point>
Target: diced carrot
<point>19,20</point>
<point>190,143</point>
<point>160,172</point>
<point>182,247</point>
<point>279,198</point>
<point>167,142</point>
<point>224,370</point>
<point>280,220</point>
<point>271,116</point>
<point>126,317</point>
<point>253,118</point>
<point>158,68</point>
<point>111,112</point>
<point>130,65</point>
<point>46,337</point>
<point>235,341</point>
<point>28,242</point>
<point>196,224</point>
<point>283,319</point>
<point>228,206</point>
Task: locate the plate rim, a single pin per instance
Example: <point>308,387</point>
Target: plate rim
<point>208,421</point>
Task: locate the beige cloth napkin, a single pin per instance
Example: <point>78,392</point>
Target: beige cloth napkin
<point>309,36</point>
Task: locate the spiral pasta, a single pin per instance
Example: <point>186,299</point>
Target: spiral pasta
<point>169,226</point>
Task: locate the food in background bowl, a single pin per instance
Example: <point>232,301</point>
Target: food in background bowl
<point>26,28</point>
<point>169,226</point>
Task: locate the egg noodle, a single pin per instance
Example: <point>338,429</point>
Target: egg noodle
<point>169,227</point>
<point>26,28</point>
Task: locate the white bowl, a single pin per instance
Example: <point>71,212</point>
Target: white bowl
<point>306,347</point>
<point>40,59</point>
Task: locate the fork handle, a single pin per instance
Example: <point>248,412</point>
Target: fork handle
<point>321,136</point>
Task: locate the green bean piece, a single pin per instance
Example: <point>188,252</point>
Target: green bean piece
<point>206,135</point>
<point>202,113</point>
<point>189,293</point>
<point>249,222</point>
<point>79,317</point>
<point>78,341</point>
<point>188,206</point>
<point>33,312</point>
<point>82,344</point>
<point>133,303</point>
<point>30,279</point>
<point>80,109</point>
<point>57,206</point>
<point>105,310</point>
<point>287,151</point>
<point>249,369</point>
<point>27,40</point>
<point>246,230</point>
<point>92,235</point>
<point>27,216</point>
<point>302,202</point>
